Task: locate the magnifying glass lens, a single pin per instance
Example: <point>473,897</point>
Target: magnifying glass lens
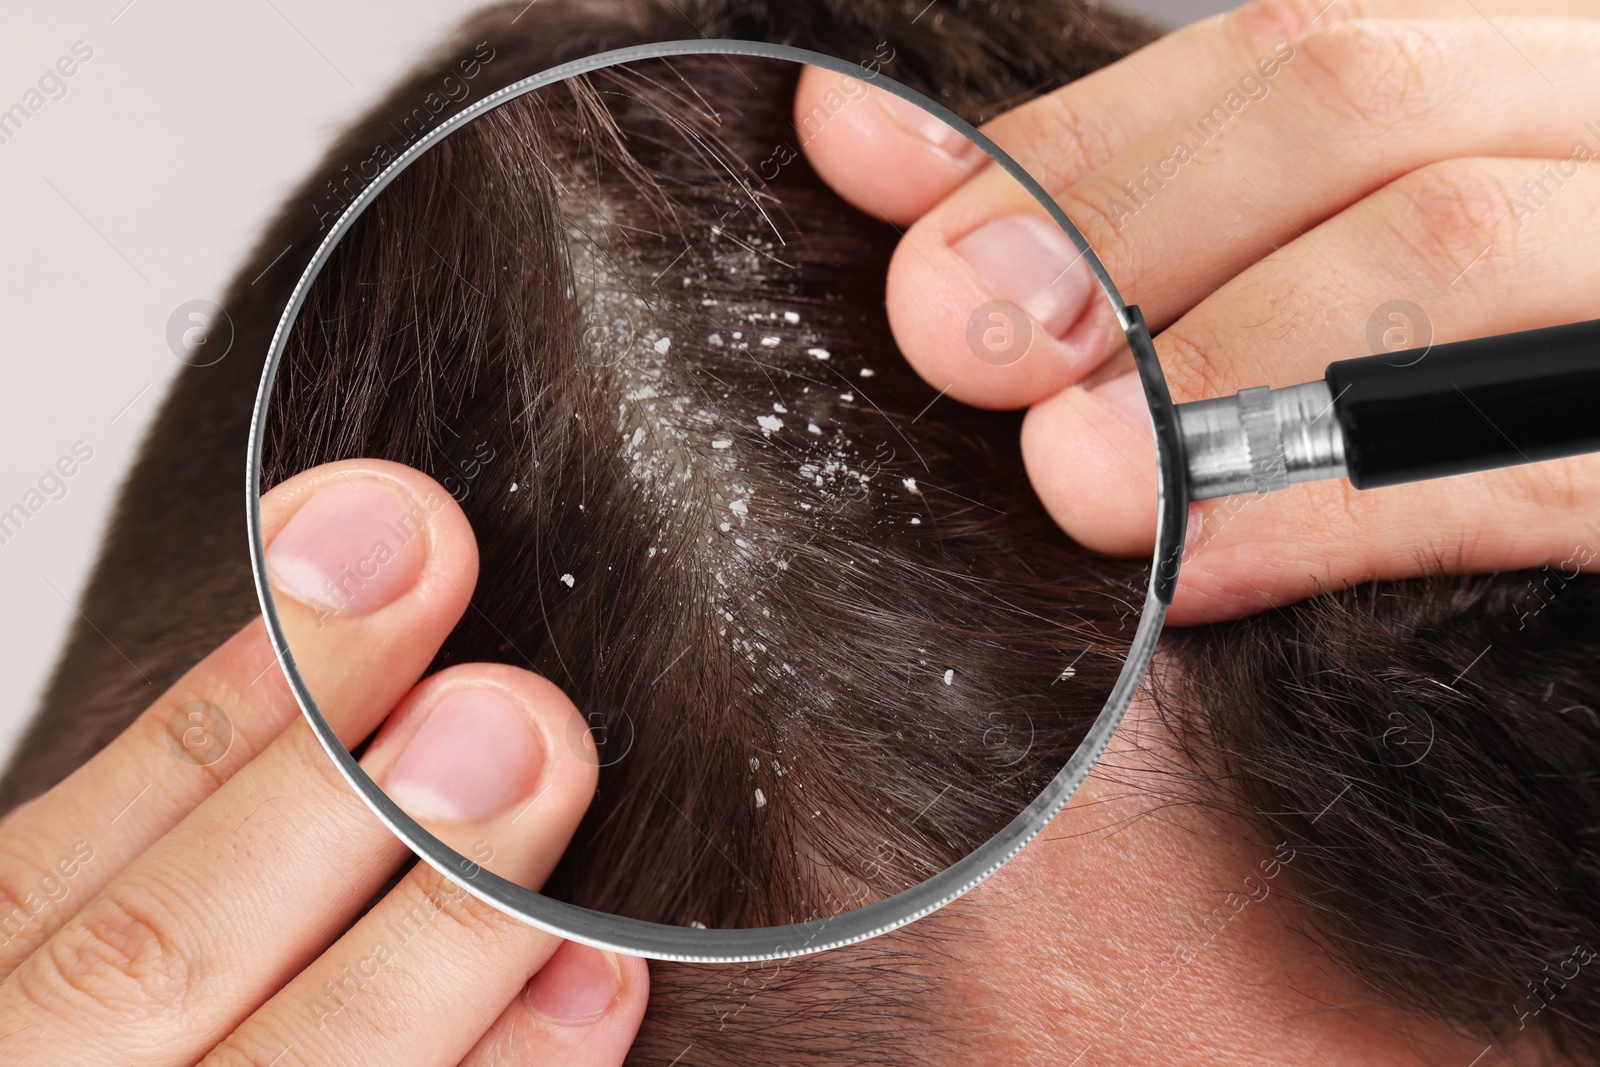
<point>823,638</point>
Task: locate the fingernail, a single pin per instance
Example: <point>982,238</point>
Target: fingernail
<point>1032,263</point>
<point>925,126</point>
<point>577,984</point>
<point>352,548</point>
<point>473,757</point>
<point>1125,392</point>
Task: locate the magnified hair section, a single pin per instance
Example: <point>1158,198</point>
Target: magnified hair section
<point>824,635</point>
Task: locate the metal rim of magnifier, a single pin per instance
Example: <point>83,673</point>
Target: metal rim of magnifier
<point>689,944</point>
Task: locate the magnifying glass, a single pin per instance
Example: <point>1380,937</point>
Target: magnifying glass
<point>837,667</point>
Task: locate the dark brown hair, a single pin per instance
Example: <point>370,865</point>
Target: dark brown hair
<point>740,556</point>
<point>498,318</point>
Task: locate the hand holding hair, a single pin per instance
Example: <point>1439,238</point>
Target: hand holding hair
<point>1288,185</point>
<point>222,919</point>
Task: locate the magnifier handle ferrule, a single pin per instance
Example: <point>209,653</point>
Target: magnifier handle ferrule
<point>1405,416</point>
<point>1261,439</point>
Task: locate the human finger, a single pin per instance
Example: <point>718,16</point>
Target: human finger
<point>1194,202</point>
<point>62,849</point>
<point>208,921</point>
<point>562,1016</point>
<point>1449,237</point>
<point>897,162</point>
<point>498,763</point>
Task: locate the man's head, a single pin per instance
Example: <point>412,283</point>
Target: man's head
<point>1272,760</point>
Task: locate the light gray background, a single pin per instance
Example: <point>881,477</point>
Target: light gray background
<point>141,189</point>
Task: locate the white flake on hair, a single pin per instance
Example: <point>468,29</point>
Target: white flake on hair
<point>910,484</point>
<point>663,345</point>
<point>769,423</point>
<point>722,442</point>
<point>820,353</point>
<point>761,799</point>
<point>949,676</point>
<point>569,580</point>
<point>791,317</point>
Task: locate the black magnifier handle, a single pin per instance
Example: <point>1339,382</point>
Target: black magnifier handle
<point>1405,416</point>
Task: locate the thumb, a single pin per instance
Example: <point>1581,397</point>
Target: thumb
<point>495,761</point>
